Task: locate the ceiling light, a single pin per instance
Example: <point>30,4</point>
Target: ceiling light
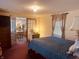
<point>35,8</point>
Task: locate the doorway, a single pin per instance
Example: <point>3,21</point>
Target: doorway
<point>22,29</point>
<point>18,30</point>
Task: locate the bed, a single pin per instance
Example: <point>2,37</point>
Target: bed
<point>51,47</point>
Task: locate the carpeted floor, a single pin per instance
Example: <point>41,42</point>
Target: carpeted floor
<point>20,51</point>
<point>33,55</point>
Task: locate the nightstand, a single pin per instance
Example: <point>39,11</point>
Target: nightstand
<point>36,35</point>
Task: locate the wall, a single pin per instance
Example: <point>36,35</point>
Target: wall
<point>72,35</point>
<point>44,23</point>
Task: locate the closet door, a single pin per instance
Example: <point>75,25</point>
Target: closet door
<point>5,38</point>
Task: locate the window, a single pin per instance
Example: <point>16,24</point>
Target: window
<point>57,29</point>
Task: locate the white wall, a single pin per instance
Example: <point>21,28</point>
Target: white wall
<point>45,25</point>
<point>71,34</point>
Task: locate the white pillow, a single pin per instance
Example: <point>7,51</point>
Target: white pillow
<point>73,48</point>
<point>76,53</point>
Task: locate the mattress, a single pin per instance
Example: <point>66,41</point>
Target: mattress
<point>51,47</point>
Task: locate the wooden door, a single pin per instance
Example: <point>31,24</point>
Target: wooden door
<point>5,37</point>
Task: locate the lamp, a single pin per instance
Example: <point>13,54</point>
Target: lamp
<point>75,25</point>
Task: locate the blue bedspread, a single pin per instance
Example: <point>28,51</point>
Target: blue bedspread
<point>51,47</point>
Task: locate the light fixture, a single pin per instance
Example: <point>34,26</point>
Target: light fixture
<point>35,8</point>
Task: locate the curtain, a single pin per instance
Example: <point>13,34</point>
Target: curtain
<point>54,17</point>
<point>62,18</point>
<point>57,28</point>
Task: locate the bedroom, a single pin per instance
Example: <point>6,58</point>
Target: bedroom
<point>43,15</point>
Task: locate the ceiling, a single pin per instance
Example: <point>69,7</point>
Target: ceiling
<point>46,6</point>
